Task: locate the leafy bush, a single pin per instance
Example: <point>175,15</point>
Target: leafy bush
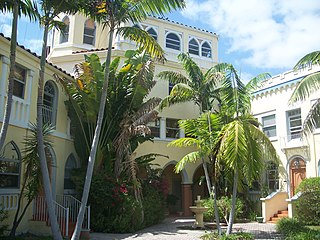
<point>224,205</point>
<point>308,204</point>
<point>234,236</point>
<point>153,205</point>
<point>289,226</point>
<point>306,235</point>
<point>3,217</point>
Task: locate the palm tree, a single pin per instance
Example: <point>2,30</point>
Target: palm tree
<point>202,133</point>
<point>306,87</point>
<point>241,145</point>
<point>49,11</point>
<point>113,13</point>
<point>198,87</point>
<point>17,7</point>
<point>32,178</point>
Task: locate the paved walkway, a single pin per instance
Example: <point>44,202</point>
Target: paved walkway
<point>171,229</point>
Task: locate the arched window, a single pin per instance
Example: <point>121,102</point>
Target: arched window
<point>193,47</point>
<point>10,164</point>
<point>70,164</point>
<point>173,41</point>
<point>272,176</point>
<point>89,32</point>
<point>206,50</point>
<point>153,33</point>
<point>49,110</point>
<point>64,33</point>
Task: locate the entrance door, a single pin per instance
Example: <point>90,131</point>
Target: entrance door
<point>297,174</point>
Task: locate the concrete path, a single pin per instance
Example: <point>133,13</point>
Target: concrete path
<point>171,229</point>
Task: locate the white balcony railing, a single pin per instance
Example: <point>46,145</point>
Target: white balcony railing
<point>9,201</point>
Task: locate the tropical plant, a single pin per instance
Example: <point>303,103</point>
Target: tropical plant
<point>307,86</point>
<point>241,145</point>
<point>113,14</point>
<point>200,88</point>
<point>32,177</point>
<point>47,13</point>
<point>18,8</point>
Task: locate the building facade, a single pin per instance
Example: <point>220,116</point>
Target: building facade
<point>282,122</point>
<point>84,36</point>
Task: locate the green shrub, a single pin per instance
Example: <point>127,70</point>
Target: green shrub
<point>287,226</point>
<point>154,205</point>
<point>3,217</point>
<point>308,204</point>
<point>306,235</point>
<point>224,205</point>
<point>234,236</point>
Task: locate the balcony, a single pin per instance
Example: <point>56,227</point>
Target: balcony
<point>296,140</point>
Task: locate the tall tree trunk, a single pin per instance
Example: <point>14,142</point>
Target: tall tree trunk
<point>214,192</point>
<point>13,47</point>
<point>205,168</point>
<point>41,151</point>
<point>233,202</point>
<point>95,142</point>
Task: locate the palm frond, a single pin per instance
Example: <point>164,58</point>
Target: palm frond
<point>143,40</point>
<point>312,120</point>
<point>192,69</point>
<point>306,87</point>
<point>184,142</point>
<point>257,81</point>
<point>310,58</point>
<point>146,107</point>
<point>173,77</point>
<point>189,158</point>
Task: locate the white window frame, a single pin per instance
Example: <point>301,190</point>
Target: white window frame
<point>9,160</point>
<point>193,45</point>
<point>65,33</point>
<point>50,109</point>
<point>172,128</point>
<point>88,35</point>
<point>265,127</point>
<point>19,81</point>
<point>296,131</point>
<point>210,45</point>
<point>180,42</point>
<point>156,37</point>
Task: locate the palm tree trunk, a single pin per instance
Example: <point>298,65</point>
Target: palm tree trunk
<point>95,142</point>
<point>233,202</point>
<point>43,162</point>
<point>13,46</point>
<point>205,168</point>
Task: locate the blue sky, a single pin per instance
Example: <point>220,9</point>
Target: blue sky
<point>254,35</point>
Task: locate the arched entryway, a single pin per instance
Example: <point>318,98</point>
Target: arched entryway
<point>174,180</point>
<point>199,187</point>
<point>297,173</point>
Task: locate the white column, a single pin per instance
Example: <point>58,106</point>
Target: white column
<point>3,83</point>
<point>162,128</point>
<point>30,75</point>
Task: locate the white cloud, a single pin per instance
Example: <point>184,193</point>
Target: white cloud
<point>6,17</point>
<point>5,29</point>
<point>35,45</point>
<point>271,33</point>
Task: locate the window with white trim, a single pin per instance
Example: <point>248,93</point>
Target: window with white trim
<point>19,81</point>
<point>64,33</point>
<point>10,164</point>
<point>49,109</point>
<point>193,47</point>
<point>89,32</point>
<point>295,123</point>
<point>155,127</point>
<point>70,165</point>
<point>272,176</point>
<point>172,128</point>
<point>173,41</point>
<point>206,50</point>
<point>269,125</point>
<point>153,33</point>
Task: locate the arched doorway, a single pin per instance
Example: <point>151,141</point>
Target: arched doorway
<point>297,174</point>
<point>199,186</point>
<point>174,198</point>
